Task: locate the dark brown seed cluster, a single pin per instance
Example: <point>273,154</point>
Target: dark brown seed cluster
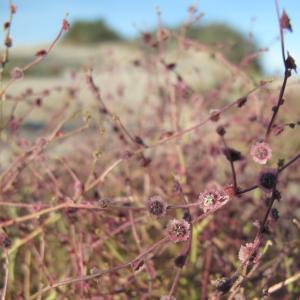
<point>268,180</point>
<point>156,206</point>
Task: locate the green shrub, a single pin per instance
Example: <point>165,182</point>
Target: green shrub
<point>234,44</point>
<point>90,32</point>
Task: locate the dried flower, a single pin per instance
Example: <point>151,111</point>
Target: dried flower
<point>16,73</point>
<point>41,53</point>
<point>242,101</point>
<point>171,66</point>
<point>156,206</point>
<point>285,22</point>
<point>221,131</point>
<point>267,179</point>
<point>187,216</point>
<point>211,199</point>
<point>224,284</point>
<point>261,152</point>
<point>5,241</point>
<point>178,230</point>
<point>246,251</point>
<point>290,63</point>
<point>180,261</point>
<point>275,214</point>
<point>232,154</point>
<point>215,115</point>
<point>6,25</point>
<point>66,25</point>
<point>38,102</point>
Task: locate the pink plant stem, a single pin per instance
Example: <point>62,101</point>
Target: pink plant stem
<point>150,270</point>
<point>5,282</point>
<point>102,273</point>
<point>231,165</point>
<point>175,282</point>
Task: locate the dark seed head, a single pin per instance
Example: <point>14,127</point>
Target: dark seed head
<point>139,141</point>
<point>171,66</point>
<point>277,195</point>
<point>221,131</point>
<point>267,180</point>
<point>232,154</point>
<point>187,216</point>
<point>224,284</point>
<point>275,214</point>
<point>290,63</point>
<point>156,206</point>
<point>6,242</point>
<point>241,101</point>
<point>180,261</point>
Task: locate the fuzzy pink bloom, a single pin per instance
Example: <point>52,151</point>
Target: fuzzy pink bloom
<point>212,199</point>
<point>156,206</point>
<point>261,152</point>
<point>178,230</point>
<point>16,73</point>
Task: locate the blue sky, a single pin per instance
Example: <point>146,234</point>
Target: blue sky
<point>37,21</point>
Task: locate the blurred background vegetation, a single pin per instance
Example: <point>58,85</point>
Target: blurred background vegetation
<point>91,32</point>
<point>84,34</point>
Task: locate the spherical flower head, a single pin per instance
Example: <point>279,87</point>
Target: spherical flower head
<point>211,199</point>
<point>261,152</point>
<point>156,206</point>
<point>178,230</point>
<point>267,179</point>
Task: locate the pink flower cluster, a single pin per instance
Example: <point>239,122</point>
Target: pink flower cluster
<point>261,152</point>
<point>178,230</point>
<point>212,198</point>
